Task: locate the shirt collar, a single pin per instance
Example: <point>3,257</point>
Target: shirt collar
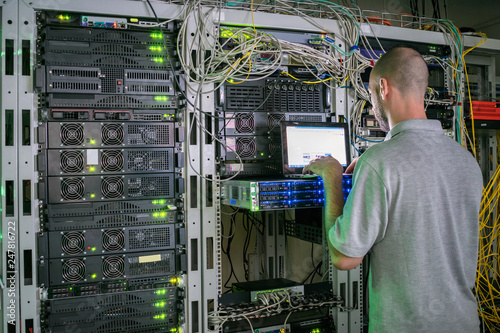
<point>415,124</point>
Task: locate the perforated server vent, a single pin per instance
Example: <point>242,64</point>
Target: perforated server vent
<point>150,237</point>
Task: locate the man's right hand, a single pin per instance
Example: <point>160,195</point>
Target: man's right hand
<point>350,168</point>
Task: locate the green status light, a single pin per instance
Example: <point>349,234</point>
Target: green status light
<point>158,59</point>
<point>173,330</point>
<point>156,35</point>
<point>92,168</point>
<point>92,142</point>
<point>161,292</point>
<point>92,195</point>
<point>94,275</point>
<point>161,98</point>
<point>160,316</point>
<point>156,214</point>
<point>63,17</point>
<point>156,48</point>
<point>161,202</point>
<point>160,304</point>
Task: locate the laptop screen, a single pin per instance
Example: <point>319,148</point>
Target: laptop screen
<point>303,142</point>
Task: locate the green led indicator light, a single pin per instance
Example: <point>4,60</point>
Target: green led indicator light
<point>158,59</point>
<point>92,168</point>
<point>156,48</point>
<point>92,195</point>
<point>63,17</point>
<point>161,292</point>
<point>154,202</point>
<point>94,276</point>
<point>162,202</point>
<point>156,214</point>
<point>160,304</point>
<point>160,316</point>
<point>93,249</point>
<point>156,35</point>
<point>161,98</point>
<point>231,81</point>
<point>261,154</point>
<point>92,142</point>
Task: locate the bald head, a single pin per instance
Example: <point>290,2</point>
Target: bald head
<point>405,69</point>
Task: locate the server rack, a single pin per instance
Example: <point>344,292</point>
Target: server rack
<point>23,123</point>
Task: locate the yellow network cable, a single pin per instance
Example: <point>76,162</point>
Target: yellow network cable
<point>483,40</point>
<point>249,68</point>
<point>308,82</point>
<point>488,260</point>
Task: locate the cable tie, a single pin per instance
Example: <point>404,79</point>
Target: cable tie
<point>354,47</point>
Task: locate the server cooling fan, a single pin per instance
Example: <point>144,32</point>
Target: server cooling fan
<point>274,120</point>
<point>72,134</point>
<point>112,160</point>
<point>72,161</point>
<point>72,188</point>
<point>246,147</point>
<point>245,123</point>
<point>73,242</point>
<point>274,148</point>
<point>113,240</point>
<point>112,134</point>
<point>113,267</point>
<point>73,270</point>
<point>112,187</point>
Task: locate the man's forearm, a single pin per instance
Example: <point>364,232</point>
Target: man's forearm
<point>334,204</point>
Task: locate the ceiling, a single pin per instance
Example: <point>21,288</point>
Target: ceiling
<point>481,15</point>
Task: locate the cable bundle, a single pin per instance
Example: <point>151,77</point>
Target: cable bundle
<point>488,269</point>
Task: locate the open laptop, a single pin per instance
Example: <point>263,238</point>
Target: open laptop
<point>303,142</point>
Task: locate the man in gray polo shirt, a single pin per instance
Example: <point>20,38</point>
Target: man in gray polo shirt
<point>414,205</point>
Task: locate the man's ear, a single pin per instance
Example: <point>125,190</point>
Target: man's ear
<point>383,88</point>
